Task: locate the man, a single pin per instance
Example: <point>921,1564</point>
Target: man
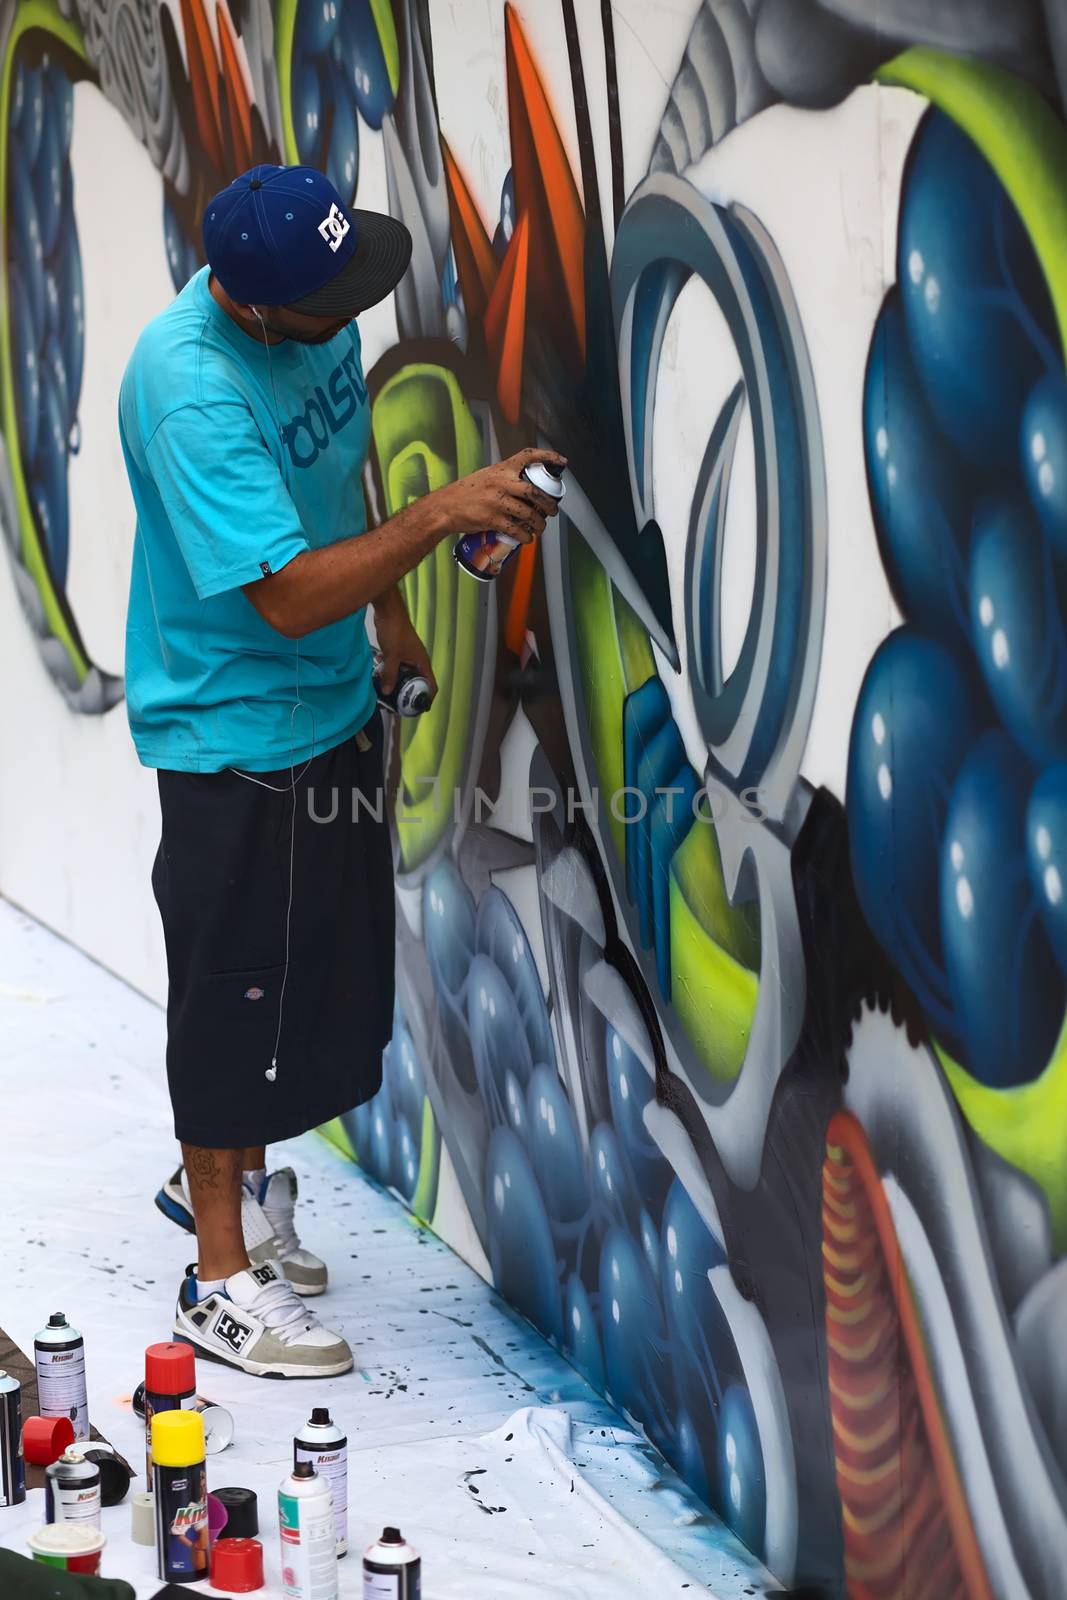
<point>245,426</point>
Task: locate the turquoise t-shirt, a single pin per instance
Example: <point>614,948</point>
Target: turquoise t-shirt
<point>234,474</point>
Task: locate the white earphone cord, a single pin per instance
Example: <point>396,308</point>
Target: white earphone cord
<point>271,1072</point>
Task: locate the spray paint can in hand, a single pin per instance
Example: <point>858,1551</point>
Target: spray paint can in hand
<point>179,1484</point>
<point>391,1569</point>
<point>72,1490</point>
<point>308,1537</point>
<point>12,1463</point>
<point>321,1442</point>
<point>410,695</point>
<point>482,555</point>
<point>59,1355</point>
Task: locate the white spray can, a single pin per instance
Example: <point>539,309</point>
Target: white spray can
<point>308,1540</point>
<point>321,1442</point>
<point>483,555</point>
<point>391,1569</point>
<point>59,1355</point>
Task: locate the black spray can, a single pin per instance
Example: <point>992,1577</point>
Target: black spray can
<point>12,1465</point>
<point>59,1355</point>
<point>179,1483</point>
<point>391,1569</point>
<point>72,1490</point>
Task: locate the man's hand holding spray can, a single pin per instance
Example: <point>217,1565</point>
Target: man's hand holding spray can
<point>483,555</point>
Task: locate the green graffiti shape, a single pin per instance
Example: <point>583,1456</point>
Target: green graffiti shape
<point>714,946</point>
<point>44,15</point>
<point>425,437</point>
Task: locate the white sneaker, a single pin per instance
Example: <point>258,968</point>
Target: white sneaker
<point>268,1228</point>
<point>259,1324</point>
<point>277,1197</point>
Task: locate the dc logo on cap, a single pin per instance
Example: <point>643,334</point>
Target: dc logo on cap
<point>333,228</point>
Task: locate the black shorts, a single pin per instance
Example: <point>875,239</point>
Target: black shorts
<point>222,883</point>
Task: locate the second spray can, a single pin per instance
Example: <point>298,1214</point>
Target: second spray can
<point>12,1464</point>
<point>321,1442</point>
<point>308,1541</point>
<point>170,1385</point>
<point>72,1490</point>
<point>59,1355</point>
<point>179,1483</point>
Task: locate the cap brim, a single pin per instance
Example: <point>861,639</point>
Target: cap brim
<point>380,261</point>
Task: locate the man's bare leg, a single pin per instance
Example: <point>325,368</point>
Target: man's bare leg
<point>214,1178</point>
<point>255,1158</point>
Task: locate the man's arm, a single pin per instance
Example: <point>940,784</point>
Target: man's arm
<point>321,586</point>
<point>398,642</point>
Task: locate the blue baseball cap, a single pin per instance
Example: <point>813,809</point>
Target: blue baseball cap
<point>280,236</point>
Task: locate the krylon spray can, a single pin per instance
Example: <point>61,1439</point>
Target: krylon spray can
<point>308,1539</point>
<point>59,1354</point>
<point>12,1464</point>
<point>391,1569</point>
<point>179,1484</point>
<point>72,1490</point>
<point>483,554</point>
<point>321,1442</point>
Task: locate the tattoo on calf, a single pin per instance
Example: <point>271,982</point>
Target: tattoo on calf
<point>211,1169</point>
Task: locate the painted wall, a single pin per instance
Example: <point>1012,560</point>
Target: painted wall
<point>730,859</point>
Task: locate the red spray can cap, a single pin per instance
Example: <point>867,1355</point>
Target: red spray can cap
<point>169,1368</point>
<point>44,1439</point>
<point>237,1565</point>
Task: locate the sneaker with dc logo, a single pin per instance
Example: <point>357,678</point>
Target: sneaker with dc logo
<point>258,1322</point>
<point>266,1222</point>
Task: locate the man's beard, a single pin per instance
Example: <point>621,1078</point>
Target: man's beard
<point>305,338</point>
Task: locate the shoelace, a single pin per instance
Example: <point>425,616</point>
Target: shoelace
<point>281,1309</point>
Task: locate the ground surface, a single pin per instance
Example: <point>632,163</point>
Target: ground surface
<point>503,1468</point>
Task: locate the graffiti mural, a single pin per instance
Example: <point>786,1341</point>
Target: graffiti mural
<point>749,1089</point>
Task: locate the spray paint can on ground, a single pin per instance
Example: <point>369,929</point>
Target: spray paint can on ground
<point>179,1484</point>
<point>12,1464</point>
<point>321,1442</point>
<point>391,1569</point>
<point>115,1474</point>
<point>308,1537</point>
<point>59,1355</point>
<point>169,1385</point>
<point>482,555</point>
<point>218,1422</point>
<point>72,1490</point>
